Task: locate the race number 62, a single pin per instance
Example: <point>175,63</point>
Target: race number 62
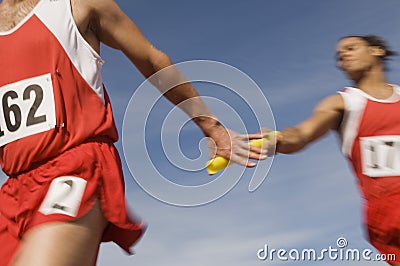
<point>26,108</point>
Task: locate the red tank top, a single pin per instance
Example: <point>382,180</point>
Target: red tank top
<point>371,140</point>
<point>52,96</point>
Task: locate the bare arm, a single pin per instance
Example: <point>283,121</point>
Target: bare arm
<point>327,115</point>
<point>114,28</point>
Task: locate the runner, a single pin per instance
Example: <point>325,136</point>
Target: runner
<point>367,117</point>
<point>65,191</point>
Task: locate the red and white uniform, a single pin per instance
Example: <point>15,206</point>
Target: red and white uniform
<point>370,134</point>
<point>56,129</point>
<point>46,52</point>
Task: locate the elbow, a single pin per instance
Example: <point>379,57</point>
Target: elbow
<point>151,62</point>
<point>161,72</point>
<point>158,60</point>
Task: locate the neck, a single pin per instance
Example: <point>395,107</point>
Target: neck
<point>374,83</point>
<point>371,79</point>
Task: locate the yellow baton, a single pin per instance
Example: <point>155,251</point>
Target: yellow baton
<point>218,163</point>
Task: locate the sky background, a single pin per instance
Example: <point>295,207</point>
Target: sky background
<point>287,47</point>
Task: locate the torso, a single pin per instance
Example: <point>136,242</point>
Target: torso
<point>52,79</point>
<point>13,13</point>
<point>370,139</point>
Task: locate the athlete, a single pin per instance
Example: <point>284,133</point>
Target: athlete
<point>65,191</point>
<point>367,118</point>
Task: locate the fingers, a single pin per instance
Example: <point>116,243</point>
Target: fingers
<point>255,136</point>
<point>239,148</point>
<point>242,152</point>
<point>263,132</point>
<point>257,153</point>
<point>242,161</point>
<point>254,153</point>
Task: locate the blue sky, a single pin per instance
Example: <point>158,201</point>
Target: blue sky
<point>287,47</point>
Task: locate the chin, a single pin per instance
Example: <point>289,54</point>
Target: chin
<point>352,75</point>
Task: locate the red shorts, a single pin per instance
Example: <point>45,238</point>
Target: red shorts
<point>64,189</point>
<point>383,224</point>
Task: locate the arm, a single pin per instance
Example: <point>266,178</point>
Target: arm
<point>115,29</point>
<point>327,115</point>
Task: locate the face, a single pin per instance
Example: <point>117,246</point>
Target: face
<point>354,56</point>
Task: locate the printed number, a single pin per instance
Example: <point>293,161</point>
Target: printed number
<point>387,156</point>
<point>32,119</point>
<point>13,110</point>
<point>64,196</point>
<point>27,107</point>
<point>380,155</point>
<point>67,188</point>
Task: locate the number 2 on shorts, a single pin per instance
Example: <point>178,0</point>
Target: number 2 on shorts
<point>64,196</point>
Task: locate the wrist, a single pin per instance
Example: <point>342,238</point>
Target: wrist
<point>208,124</point>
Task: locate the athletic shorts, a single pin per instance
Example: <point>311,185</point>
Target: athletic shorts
<point>383,224</point>
<point>65,189</point>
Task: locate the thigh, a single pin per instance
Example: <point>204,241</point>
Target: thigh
<point>63,243</point>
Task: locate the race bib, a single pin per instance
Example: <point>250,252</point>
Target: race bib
<point>64,196</point>
<point>380,155</point>
<point>26,108</point>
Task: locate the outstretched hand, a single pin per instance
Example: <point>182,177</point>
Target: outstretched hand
<point>234,146</point>
<point>274,137</point>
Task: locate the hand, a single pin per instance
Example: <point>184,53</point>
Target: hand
<point>274,137</point>
<point>235,147</point>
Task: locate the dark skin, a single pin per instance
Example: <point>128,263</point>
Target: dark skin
<point>363,65</point>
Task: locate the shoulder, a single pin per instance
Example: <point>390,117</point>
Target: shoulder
<point>82,13</point>
<point>80,5</point>
<point>333,102</point>
<point>102,14</point>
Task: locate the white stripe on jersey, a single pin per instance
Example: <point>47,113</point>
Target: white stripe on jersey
<point>58,18</point>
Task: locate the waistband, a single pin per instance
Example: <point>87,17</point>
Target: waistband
<point>36,165</point>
